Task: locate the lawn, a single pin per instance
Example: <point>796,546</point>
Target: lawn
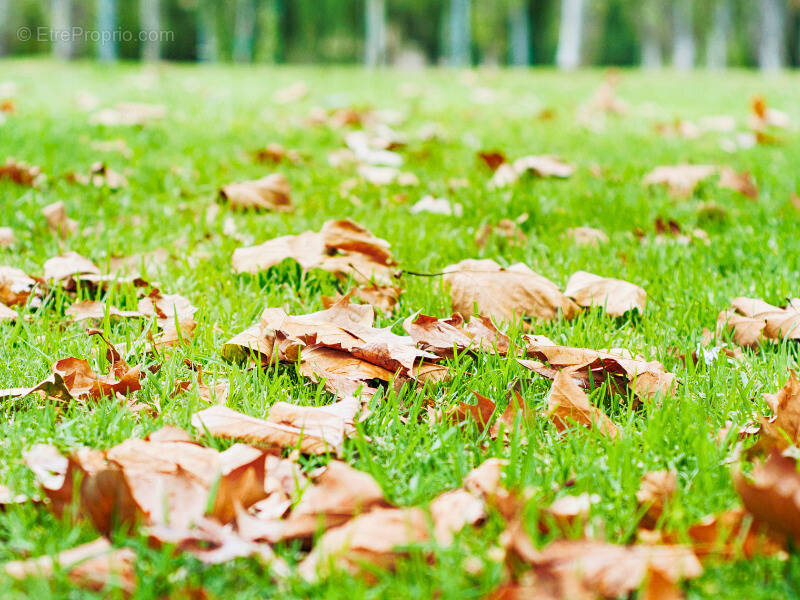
<point>217,116</point>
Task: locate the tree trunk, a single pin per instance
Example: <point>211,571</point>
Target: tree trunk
<point>651,18</point>
<point>61,23</point>
<point>717,43</point>
<point>107,23</point>
<point>5,26</point>
<point>683,48</point>
<point>570,31</point>
<point>771,42</point>
<point>244,30</point>
<point>519,33</point>
<point>460,33</point>
<point>268,42</point>
<point>207,38</point>
<point>375,23</point>
<point>150,23</point>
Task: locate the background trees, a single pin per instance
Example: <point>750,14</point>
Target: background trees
<point>569,33</point>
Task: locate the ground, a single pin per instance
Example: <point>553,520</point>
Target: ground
<point>218,115</point>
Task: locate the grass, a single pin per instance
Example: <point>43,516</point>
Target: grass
<point>218,114</point>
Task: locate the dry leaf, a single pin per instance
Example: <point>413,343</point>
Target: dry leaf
<point>441,336</point>
<point>95,565</point>
<point>67,266</point>
<point>483,286</point>
<point>680,179</point>
<point>342,373</point>
<point>341,247</point>
<point>587,236</point>
<point>128,114</point>
<point>452,511</point>
<point>275,153</point>
<point>540,166</point>
<point>7,314</point>
<point>783,429</point>
<point>381,297</point>
<point>492,158</point>
<point>568,405</point>
<point>751,318</point>
<point>21,173</point>
<point>437,206</point>
<point>269,193</point>
<point>57,220</point>
<point>15,286</point>
<point>591,367</point>
<point>738,182</point>
<point>615,295</point>
<point>656,490</point>
<point>92,309</point>
<point>7,237</point>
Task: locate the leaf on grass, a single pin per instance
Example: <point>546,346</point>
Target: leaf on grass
<point>269,193</point>
<point>588,368</point>
<point>442,336</point>
<point>95,565</point>
<point>382,297</point>
<point>772,493</point>
<point>750,318</point>
<point>99,176</point>
<point>167,308</point>
<point>21,173</point>
<point>275,153</point>
<point>15,286</point>
<point>539,166</point>
<point>437,206</point>
<point>7,237</point>
<point>340,247</point>
<point>66,267</point>
<point>568,405</point>
<point>483,286</point>
<point>655,492</point>
<point>342,373</point>
<point>57,219</point>
<point>587,236</point>
<point>52,387</point>
<point>7,314</point>
<point>680,179</point>
<point>738,182</point>
<point>492,158</point>
<point>129,114</point>
<point>95,310</point>
<point>615,295</point>
<point>452,511</point>
<point>83,382</point>
<point>324,435</point>
<point>506,229</point>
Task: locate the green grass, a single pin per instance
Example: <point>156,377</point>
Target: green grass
<point>218,114</point>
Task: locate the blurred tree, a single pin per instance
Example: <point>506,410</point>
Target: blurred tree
<point>489,25</point>
<point>459,34</point>
<point>5,26</point>
<point>244,31</point>
<point>683,40</point>
<point>207,32</point>
<point>519,33</point>
<point>269,35</point>
<point>652,29</point>
<point>717,40</point>
<point>570,33</point>
<point>375,25</point>
<point>772,34</point>
<point>106,25</point>
<point>61,22</point>
<point>150,22</point>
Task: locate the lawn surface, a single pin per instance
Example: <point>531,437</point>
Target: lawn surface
<point>218,115</point>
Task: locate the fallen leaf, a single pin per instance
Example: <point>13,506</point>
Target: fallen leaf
<point>15,286</point>
<point>587,236</point>
<point>483,286</point>
<point>680,179</point>
<point>95,565</point>
<point>275,153</point>
<point>750,319</point>
<point>269,193</point>
<point>57,220</point>
<point>437,206</point>
<point>342,373</point>
<point>738,182</point>
<point>442,336</point>
<point>129,114</point>
<point>341,247</point>
<point>506,229</point>
<point>540,166</point>
<point>7,237</point>
<point>21,173</point>
<point>95,310</point>
<point>67,266</point>
<point>656,491</point>
<point>568,404</point>
<point>492,158</point>
<point>615,296</point>
<point>783,429</point>
<point>452,511</point>
<point>382,297</point>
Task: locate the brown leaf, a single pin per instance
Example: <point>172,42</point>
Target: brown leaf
<point>57,220</point>
<point>587,236</point>
<point>7,237</point>
<point>7,314</point>
<point>733,534</point>
<point>783,429</point>
<point>506,229</point>
<point>21,173</point>
<point>99,176</point>
<point>568,405</point>
<point>656,490</point>
<point>680,179</point>
<point>15,286</point>
<point>738,182</point>
<point>275,153</point>
<point>167,308</point>
<point>269,193</point>
<point>95,565</point>
<point>82,382</point>
<point>342,373</point>
<point>129,114</point>
<point>324,437</point>
<point>615,295</point>
<point>492,158</point>
<point>504,294</point>
<point>382,297</point>
<point>65,267</point>
<point>454,510</point>
<point>484,480</point>
<point>539,166</point>
<point>750,318</point>
<point>341,247</point>
<point>481,413</point>
<point>92,309</point>
<point>441,336</point>
<point>772,493</point>
<point>591,367</point>
<point>51,387</point>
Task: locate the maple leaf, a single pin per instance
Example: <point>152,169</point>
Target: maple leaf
<point>750,319</point>
<point>504,294</point>
<point>441,336</point>
<point>615,296</point>
<point>567,404</point>
<point>269,193</point>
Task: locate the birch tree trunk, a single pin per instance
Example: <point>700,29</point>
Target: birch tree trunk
<point>570,32</point>
<point>5,26</point>
<point>62,22</point>
<point>519,33</point>
<point>651,19</point>
<point>244,30</point>
<point>107,23</point>
<point>460,33</point>
<point>683,46</point>
<point>375,23</point>
<point>771,40</point>
<point>717,43</point>
<point>150,23</point>
<point>207,39</point>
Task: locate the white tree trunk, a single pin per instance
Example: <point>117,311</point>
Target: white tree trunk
<point>207,39</point>
<point>62,22</point>
<point>244,30</point>
<point>519,33</point>
<point>375,23</point>
<point>107,23</point>
<point>717,43</point>
<point>5,26</point>
<point>651,53</point>
<point>651,24</point>
<point>150,23</point>
<point>570,32</point>
<point>460,33</point>
<point>683,47</point>
<point>771,41</point>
